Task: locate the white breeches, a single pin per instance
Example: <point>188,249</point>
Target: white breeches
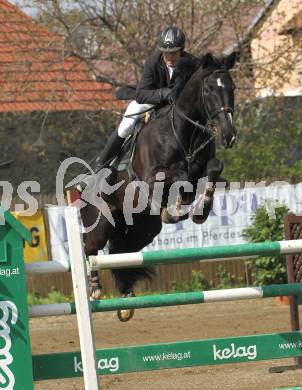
<point>126,126</point>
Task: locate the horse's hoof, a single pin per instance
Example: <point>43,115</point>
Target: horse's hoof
<point>199,219</point>
<point>126,315</point>
<point>207,207</point>
<point>168,218</point>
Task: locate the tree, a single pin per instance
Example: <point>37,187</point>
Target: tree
<point>36,151</point>
<point>269,142</point>
<point>272,269</point>
<point>116,36</point>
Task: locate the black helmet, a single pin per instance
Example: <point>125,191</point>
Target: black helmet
<point>171,39</point>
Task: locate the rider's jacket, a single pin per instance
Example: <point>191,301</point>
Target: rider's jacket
<point>155,76</point>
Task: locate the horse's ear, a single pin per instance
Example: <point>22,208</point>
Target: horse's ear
<point>207,60</point>
<point>230,60</point>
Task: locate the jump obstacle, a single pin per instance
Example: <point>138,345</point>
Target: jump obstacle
<point>22,369</point>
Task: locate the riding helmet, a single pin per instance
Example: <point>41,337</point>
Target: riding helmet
<point>171,39</point>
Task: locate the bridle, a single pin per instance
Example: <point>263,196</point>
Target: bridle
<point>209,128</point>
<point>212,115</point>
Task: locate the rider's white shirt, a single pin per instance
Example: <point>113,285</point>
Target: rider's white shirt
<point>170,69</point>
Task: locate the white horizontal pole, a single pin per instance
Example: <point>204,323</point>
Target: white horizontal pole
<point>54,309</point>
<point>233,294</point>
<point>46,267</point>
<point>288,247</point>
<point>134,259</point>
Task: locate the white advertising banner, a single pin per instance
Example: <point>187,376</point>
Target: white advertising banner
<point>58,233</point>
<point>231,214</point>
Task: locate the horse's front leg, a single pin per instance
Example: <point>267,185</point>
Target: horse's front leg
<point>201,210</point>
<point>181,193</point>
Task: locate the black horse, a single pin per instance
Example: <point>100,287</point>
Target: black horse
<point>174,151</point>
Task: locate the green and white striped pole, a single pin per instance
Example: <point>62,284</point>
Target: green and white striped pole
<point>170,299</point>
<point>175,256</point>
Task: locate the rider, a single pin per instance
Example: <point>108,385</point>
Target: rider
<point>153,89</point>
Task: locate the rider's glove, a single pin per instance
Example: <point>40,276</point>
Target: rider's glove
<point>165,94</point>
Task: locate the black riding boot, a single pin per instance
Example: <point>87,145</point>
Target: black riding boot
<point>111,149</point>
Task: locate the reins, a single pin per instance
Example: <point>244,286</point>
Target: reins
<point>139,113</point>
<point>190,154</point>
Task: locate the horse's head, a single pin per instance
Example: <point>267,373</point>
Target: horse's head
<point>217,95</point>
<point>207,92</point>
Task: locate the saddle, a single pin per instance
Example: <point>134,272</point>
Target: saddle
<point>124,160</point>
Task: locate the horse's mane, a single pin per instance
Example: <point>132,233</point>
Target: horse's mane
<point>187,66</point>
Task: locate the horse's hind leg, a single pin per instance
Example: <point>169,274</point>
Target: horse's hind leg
<point>123,277</point>
<point>94,241</point>
<point>202,209</point>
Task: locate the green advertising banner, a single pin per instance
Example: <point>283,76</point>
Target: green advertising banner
<point>173,355</point>
<point>15,359</point>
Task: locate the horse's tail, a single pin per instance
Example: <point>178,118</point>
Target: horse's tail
<point>126,278</point>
